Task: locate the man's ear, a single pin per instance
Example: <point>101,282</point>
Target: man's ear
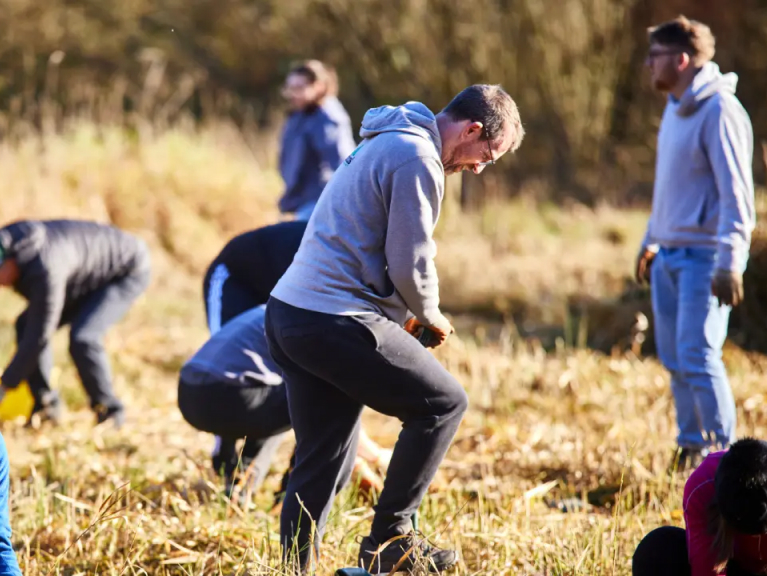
<point>684,61</point>
<point>473,128</point>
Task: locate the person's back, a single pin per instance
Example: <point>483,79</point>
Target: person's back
<point>237,354</point>
<point>258,258</point>
<point>725,520</point>
<point>77,273</point>
<point>347,266</point>
<point>80,254</point>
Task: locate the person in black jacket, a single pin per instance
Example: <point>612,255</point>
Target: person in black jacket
<point>76,273</point>
<point>239,279</point>
<point>247,268</point>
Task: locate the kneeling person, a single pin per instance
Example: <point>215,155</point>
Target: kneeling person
<point>232,388</point>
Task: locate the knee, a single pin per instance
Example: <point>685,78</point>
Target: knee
<point>82,344</point>
<point>668,359</point>
<point>699,361</point>
<point>456,401</point>
<point>461,401</point>
<point>662,552</point>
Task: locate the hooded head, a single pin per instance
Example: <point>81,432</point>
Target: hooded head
<point>479,126</point>
<point>741,487</point>
<point>410,118</point>
<point>20,243</point>
<point>707,82</point>
<point>21,240</point>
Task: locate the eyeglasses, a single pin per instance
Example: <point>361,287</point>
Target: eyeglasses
<point>656,54</point>
<point>490,162</point>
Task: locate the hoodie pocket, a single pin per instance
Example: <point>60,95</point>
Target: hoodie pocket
<point>693,212</point>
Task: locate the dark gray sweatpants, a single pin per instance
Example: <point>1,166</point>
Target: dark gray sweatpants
<point>89,319</point>
<point>257,413</point>
<point>334,366</point>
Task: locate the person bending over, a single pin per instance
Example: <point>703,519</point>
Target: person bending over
<point>725,514</point>
<point>73,273</point>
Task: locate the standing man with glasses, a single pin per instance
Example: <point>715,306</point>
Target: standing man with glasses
<point>698,237</point>
<point>335,320</point>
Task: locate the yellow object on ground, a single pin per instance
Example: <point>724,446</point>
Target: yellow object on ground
<point>17,403</point>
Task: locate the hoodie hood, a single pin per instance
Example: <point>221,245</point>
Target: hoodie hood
<point>22,240</point>
<point>410,118</point>
<point>707,82</point>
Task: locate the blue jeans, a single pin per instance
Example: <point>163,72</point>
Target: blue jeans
<point>690,329</point>
<point>8,564</point>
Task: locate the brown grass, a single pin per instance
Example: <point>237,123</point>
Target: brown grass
<point>542,426</point>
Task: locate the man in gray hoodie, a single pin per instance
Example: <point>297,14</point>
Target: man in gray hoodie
<point>699,234</point>
<point>335,320</point>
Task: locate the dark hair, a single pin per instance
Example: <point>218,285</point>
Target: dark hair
<point>690,36</point>
<point>740,503</point>
<point>723,545</point>
<point>492,106</point>
<point>318,72</point>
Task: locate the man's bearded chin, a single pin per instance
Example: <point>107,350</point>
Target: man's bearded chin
<point>662,85</point>
<point>451,166</point>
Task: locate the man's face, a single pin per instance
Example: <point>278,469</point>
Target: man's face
<point>299,92</point>
<point>664,64</point>
<point>9,272</point>
<point>471,149</point>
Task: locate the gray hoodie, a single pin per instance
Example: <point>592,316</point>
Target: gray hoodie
<point>368,247</point>
<point>704,188</point>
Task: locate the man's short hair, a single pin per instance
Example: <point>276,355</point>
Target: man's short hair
<point>690,36</point>
<point>492,106</point>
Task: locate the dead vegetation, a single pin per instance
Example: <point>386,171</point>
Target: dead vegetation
<point>552,425</point>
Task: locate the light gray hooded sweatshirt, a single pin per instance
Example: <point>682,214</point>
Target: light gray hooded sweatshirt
<point>368,247</point>
<point>704,188</point>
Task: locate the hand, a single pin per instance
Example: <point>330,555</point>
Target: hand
<point>643,263</point>
<point>727,286</point>
<point>441,330</point>
<point>413,327</point>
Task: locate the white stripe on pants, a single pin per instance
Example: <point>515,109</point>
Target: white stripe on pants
<point>215,294</point>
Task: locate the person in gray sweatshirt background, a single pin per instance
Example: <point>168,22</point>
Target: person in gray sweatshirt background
<point>334,322</point>
<point>699,234</point>
<point>316,138</point>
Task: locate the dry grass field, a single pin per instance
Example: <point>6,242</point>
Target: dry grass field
<point>551,425</point>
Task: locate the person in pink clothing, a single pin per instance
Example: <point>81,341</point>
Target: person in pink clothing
<point>725,513</point>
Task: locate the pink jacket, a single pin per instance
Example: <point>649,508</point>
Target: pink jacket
<point>750,551</point>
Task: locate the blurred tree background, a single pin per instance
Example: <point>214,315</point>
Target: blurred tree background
<point>574,66</point>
